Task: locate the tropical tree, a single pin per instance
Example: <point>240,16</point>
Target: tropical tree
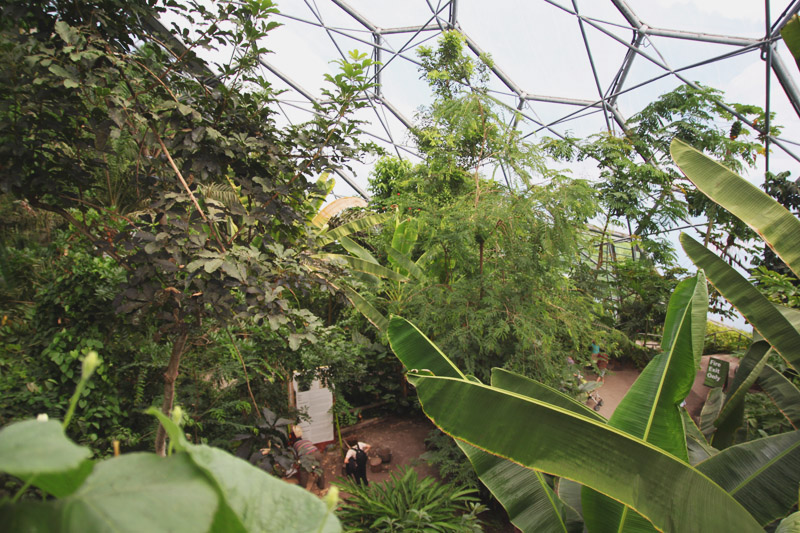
<point>80,82</point>
<point>754,481</point>
<point>495,233</point>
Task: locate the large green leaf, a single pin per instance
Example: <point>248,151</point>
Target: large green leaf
<point>665,490</point>
<point>368,267</point>
<point>405,236</point>
<point>791,36</point>
<point>529,501</point>
<point>558,441</point>
<point>416,351</point>
<point>764,316</point>
<point>711,410</point>
<point>503,379</point>
<point>731,416</point>
<point>405,264</point>
<point>783,394</point>
<point>651,408</point>
<point>531,504</point>
<point>762,474</point>
<point>261,502</point>
<point>696,443</point>
<point>354,226</point>
<point>131,493</point>
<point>750,367</point>
<point>777,225</point>
<point>249,499</point>
<point>357,250</point>
<point>41,453</point>
<point>366,309</point>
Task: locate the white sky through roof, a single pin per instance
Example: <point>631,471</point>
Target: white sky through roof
<point>538,47</point>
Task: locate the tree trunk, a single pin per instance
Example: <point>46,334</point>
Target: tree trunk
<point>170,375</point>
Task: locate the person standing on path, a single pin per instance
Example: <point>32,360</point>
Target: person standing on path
<point>601,360</point>
<point>355,462</point>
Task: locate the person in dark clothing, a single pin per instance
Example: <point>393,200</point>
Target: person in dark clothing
<point>355,462</point>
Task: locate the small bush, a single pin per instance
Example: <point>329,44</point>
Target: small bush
<point>406,503</point>
<point>453,465</point>
<point>724,339</point>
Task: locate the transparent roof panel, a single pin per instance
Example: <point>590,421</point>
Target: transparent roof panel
<point>571,66</point>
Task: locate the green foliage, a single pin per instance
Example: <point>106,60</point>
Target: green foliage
<point>639,181</point>
<point>197,487</point>
<point>724,339</point>
<point>555,435</point>
<point>783,289</point>
<point>268,447</point>
<point>406,503</point>
<point>190,203</point>
<point>445,455</point>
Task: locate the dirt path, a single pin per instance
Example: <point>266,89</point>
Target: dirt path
<point>404,437</point>
<point>618,380</point>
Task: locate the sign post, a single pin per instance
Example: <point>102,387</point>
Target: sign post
<point>717,373</point>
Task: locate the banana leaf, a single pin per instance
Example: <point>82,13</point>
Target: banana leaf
<point>762,474</point>
<point>651,408</point>
<point>530,502</point>
<point>731,416</point>
<point>405,264</point>
<point>697,445</point>
<point>366,309</point>
<point>405,236</point>
<point>783,394</point>
<point>360,224</point>
<point>360,265</point>
<point>750,367</point>
<point>532,505</point>
<point>791,36</point>
<point>357,250</point>
<point>503,379</point>
<point>665,490</point>
<point>777,225</point>
<point>710,412</point>
<point>764,316</point>
<point>403,241</point>
<point>560,442</point>
<point>336,207</point>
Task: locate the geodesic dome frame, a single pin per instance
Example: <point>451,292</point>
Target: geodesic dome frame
<point>343,26</point>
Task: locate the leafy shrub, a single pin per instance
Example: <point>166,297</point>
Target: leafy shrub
<point>404,503</point>
<point>268,447</point>
<point>724,339</point>
<point>778,288</point>
<point>194,488</point>
<point>444,454</point>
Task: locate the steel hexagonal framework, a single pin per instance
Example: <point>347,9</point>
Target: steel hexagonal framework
<point>393,34</point>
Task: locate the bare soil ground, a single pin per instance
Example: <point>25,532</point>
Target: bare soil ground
<point>617,381</point>
<point>405,437</point>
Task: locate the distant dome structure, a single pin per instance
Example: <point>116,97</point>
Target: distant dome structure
<point>570,67</point>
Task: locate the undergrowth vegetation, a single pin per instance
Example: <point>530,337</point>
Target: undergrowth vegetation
<point>160,221</point>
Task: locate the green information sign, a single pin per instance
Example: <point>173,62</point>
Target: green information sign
<point>717,373</point>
